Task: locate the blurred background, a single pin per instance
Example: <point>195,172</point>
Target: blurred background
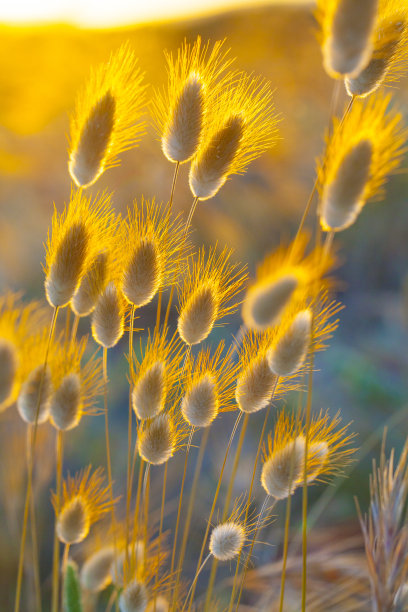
<point>47,50</point>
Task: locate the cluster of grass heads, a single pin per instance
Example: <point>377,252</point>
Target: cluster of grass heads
<point>99,265</point>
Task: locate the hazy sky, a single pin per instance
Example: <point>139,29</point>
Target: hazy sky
<point>112,12</point>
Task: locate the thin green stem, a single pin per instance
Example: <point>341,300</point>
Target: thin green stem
<point>59,453</point>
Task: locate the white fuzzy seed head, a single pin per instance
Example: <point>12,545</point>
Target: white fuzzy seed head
<point>95,572</point>
<point>27,401</point>
<point>263,306</point>
<point>143,275</point>
<point>8,369</point>
<point>149,392</point>
<point>343,197</point>
<point>133,598</point>
<point>283,471</point>
<point>289,353</point>
<point>107,319</point>
<point>197,318</point>
<point>182,133</point>
<point>200,404</point>
<point>156,441</point>
<point>255,386</point>
<point>227,540</point>
<point>91,286</point>
<point>73,522</point>
<point>66,403</point>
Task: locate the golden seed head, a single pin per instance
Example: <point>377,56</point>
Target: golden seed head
<point>198,315</point>
<point>290,350</point>
<point>200,404</point>
<point>66,403</point>
<point>348,29</point>
<point>108,323</point>
<point>73,522</point>
<point>86,162</point>
<point>227,540</point>
<point>264,304</point>
<point>156,441</point>
<point>210,169</point>
<point>149,392</point>
<point>95,573</point>
<point>118,568</point>
<point>159,604</point>
<point>255,386</point>
<point>27,401</point>
<point>182,133</point>
<point>8,369</point>
<point>343,198</point>
<point>283,471</point>
<point>142,276</point>
<point>91,286</point>
<point>67,268</point>
<point>134,597</point>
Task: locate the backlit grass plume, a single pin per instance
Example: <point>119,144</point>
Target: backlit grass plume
<point>85,500</point>
<point>195,76</point>
<point>390,53</point>
<point>107,117</point>
<point>347,32</point>
<point>208,386</point>
<point>362,152</point>
<point>159,438</point>
<point>108,317</point>
<point>155,374</point>
<point>329,451</point>
<point>76,386</point>
<point>208,293</point>
<point>76,238</point>
<point>242,126</point>
<point>153,246</point>
<point>285,276</point>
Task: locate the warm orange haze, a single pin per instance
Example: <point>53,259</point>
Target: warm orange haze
<point>203,306</point>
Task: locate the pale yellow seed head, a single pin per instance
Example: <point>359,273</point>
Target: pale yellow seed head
<point>156,441</point>
<point>66,403</point>
<point>134,597</point>
<point>141,279</point>
<point>348,45</point>
<point>198,316</point>
<point>209,170</point>
<point>227,540</point>
<point>95,573</point>
<point>290,351</point>
<point>65,272</point>
<point>73,522</point>
<point>160,604</point>
<point>255,386</point>
<point>107,319</point>
<point>27,401</point>
<point>183,131</point>
<point>8,368</point>
<point>91,286</point>
<point>264,303</point>
<point>342,199</point>
<point>86,162</point>
<point>200,404</point>
<point>283,471</point>
<point>149,392</point>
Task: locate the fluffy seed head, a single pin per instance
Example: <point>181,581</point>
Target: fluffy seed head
<point>283,471</point>
<point>84,501</point>
<point>209,285</point>
<point>106,120</point>
<point>227,540</point>
<point>134,597</point>
<point>108,321</point>
<point>200,405</point>
<point>359,155</point>
<point>95,572</point>
<point>8,369</point>
<point>66,405</point>
<point>156,440</point>
<point>347,34</point>
<point>183,131</point>
<point>91,286</point>
<point>27,400</point>
<point>142,276</point>
<point>119,570</point>
<point>290,351</point>
<point>319,451</point>
<point>255,386</point>
<point>148,394</point>
<point>264,304</point>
